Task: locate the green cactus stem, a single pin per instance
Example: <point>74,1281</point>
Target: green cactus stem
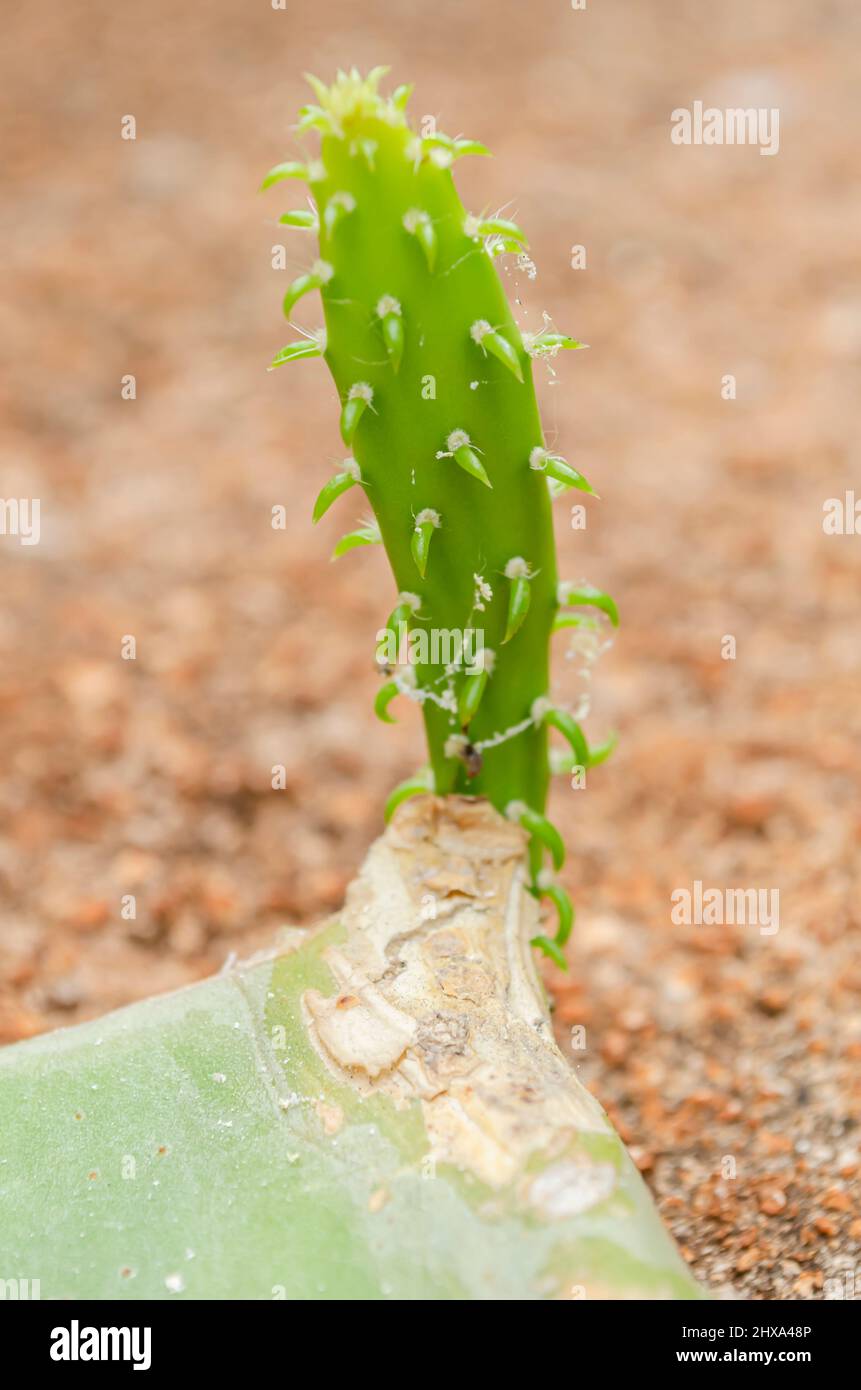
<point>439,409</point>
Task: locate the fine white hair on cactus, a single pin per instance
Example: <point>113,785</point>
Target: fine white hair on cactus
<point>479,330</point>
<point>472,225</point>
<point>343,200</point>
<point>458,439</point>
<point>361,391</point>
<point>482,588</point>
<point>485,660</point>
<point>323,271</point>
<point>350,466</point>
<point>455,745</point>
<point>544,879</point>
<point>515,809</point>
<point>406,680</point>
<point>387,304</point>
<point>538,458</point>
<point>428,517</point>
<point>412,601</point>
<point>414,218</point>
<point>414,150</point>
<point>518,568</point>
<point>540,708</point>
<point>316,171</point>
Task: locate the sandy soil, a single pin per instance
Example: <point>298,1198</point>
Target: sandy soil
<point>728,1057</point>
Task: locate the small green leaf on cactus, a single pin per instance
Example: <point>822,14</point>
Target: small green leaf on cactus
<point>369,534</point>
<point>547,887</point>
<point>518,572</point>
<point>427,521</point>
<point>313,117</point>
<point>490,341</point>
<point>419,225</point>
<point>462,147</point>
<point>302,218</point>
<point>546,343</point>
<point>477,227</point>
<point>359,397</point>
<point>423,781</point>
<point>474,686</point>
<point>459,447</point>
<point>347,476</point>
<point>385,695</point>
<point>389,314</point>
<point>319,275</point>
<point>290,169</point>
<point>338,206</point>
<point>540,827</point>
<point>295,352</point>
<point>577,620</point>
<point>543,461</point>
<point>570,595</point>
<point>602,751</point>
<point>545,712</point>
<point>404,611</point>
<point>551,950</point>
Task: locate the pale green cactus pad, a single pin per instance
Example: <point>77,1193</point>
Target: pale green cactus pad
<point>377,1112</point>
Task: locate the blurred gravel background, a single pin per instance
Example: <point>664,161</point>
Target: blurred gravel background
<point>729,1059</point>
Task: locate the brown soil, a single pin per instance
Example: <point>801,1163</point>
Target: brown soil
<point>728,1058</point>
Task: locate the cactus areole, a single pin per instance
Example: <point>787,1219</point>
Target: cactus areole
<point>438,408</point>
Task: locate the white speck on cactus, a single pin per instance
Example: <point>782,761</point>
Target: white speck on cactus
<point>387,304</point>
<point>361,391</point>
<point>485,660</point>
<point>483,592</point>
<point>323,271</point>
<point>350,466</point>
<point>515,810</point>
<point>472,225</point>
<point>518,568</point>
<point>343,200</point>
<point>480,330</point>
<point>540,708</point>
<point>458,439</point>
<point>538,459</point>
<point>428,517</point>
<point>407,680</point>
<point>414,218</point>
<point>454,745</point>
<point>544,878</point>
<point>411,601</point>
<point>316,171</point>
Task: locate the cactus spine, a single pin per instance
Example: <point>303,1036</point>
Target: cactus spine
<point>439,409</point>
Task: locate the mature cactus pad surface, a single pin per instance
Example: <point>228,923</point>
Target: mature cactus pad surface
<point>376,1111</point>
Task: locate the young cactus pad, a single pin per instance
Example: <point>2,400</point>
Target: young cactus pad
<point>439,409</point>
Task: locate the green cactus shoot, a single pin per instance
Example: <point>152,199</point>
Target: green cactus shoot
<point>438,407</point>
